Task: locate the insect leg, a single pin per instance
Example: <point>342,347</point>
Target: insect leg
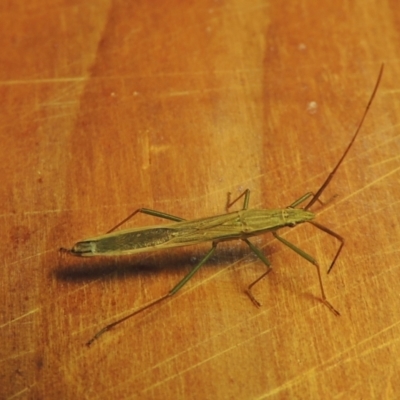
<point>230,203</point>
<point>265,260</point>
<point>312,261</point>
<point>174,290</point>
<point>193,271</point>
<point>335,235</point>
<point>148,212</point>
<point>302,199</point>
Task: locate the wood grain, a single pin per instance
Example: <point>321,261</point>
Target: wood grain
<point>112,105</point>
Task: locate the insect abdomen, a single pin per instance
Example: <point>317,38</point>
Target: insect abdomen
<point>130,241</point>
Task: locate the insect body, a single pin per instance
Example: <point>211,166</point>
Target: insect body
<point>241,225</point>
<point>234,225</point>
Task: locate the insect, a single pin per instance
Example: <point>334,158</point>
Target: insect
<point>241,225</point>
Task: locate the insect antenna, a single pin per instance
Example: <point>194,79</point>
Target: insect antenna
<point>331,175</point>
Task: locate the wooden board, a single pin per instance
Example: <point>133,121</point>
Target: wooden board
<point>112,105</point>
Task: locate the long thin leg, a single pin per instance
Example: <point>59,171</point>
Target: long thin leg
<point>265,260</point>
<point>312,261</point>
<point>173,291</point>
<point>246,195</point>
<point>335,235</point>
<point>303,199</point>
<point>148,212</point>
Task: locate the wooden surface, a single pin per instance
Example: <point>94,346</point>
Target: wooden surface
<point>112,105</point>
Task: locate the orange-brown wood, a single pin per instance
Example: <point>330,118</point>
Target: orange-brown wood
<point>113,105</point>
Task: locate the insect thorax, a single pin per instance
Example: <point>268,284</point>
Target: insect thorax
<point>271,220</point>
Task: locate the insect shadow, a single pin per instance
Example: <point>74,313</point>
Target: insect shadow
<point>118,268</point>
